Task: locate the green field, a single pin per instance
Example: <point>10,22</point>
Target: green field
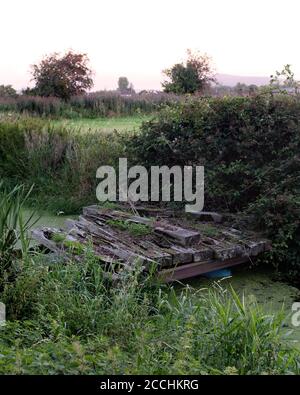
<point>105,125</point>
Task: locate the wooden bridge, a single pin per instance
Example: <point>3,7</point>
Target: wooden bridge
<point>179,246</point>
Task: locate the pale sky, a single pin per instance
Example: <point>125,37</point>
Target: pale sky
<point>139,38</point>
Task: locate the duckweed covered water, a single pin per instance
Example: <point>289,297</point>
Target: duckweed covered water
<point>41,219</point>
<point>48,219</point>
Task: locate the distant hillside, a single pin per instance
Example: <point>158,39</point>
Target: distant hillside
<point>232,80</point>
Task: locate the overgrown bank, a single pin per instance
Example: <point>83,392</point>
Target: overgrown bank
<point>60,162</point>
<point>249,147</point>
<point>69,318</point>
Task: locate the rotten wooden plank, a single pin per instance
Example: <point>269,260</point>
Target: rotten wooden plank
<point>40,235</point>
<point>253,248</point>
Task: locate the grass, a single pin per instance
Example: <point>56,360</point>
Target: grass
<point>208,229</point>
<point>70,319</point>
<point>131,227</point>
<point>104,125</point>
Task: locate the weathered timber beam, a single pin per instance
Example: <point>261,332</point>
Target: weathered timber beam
<point>197,268</point>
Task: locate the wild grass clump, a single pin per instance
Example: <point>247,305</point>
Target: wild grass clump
<point>72,319</point>
<point>103,104</point>
<point>131,227</point>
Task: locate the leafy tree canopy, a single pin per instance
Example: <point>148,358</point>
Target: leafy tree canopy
<point>7,91</point>
<point>195,75</point>
<point>124,86</point>
<point>62,76</point>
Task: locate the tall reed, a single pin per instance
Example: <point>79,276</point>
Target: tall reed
<point>13,226</point>
<point>97,104</point>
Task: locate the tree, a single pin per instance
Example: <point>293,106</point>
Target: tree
<point>131,88</point>
<point>29,91</point>
<point>253,89</point>
<point>7,91</point>
<point>62,76</point>
<point>124,86</point>
<point>242,89</point>
<point>284,81</point>
<point>193,76</point>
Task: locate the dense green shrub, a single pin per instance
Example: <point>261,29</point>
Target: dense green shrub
<point>250,149</point>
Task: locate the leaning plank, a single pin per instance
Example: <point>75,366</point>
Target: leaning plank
<point>129,252</point>
<point>40,236</point>
<point>106,235</point>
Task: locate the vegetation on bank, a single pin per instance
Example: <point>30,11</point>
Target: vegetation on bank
<point>70,318</point>
<point>93,105</point>
<point>248,145</point>
<point>60,162</point>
